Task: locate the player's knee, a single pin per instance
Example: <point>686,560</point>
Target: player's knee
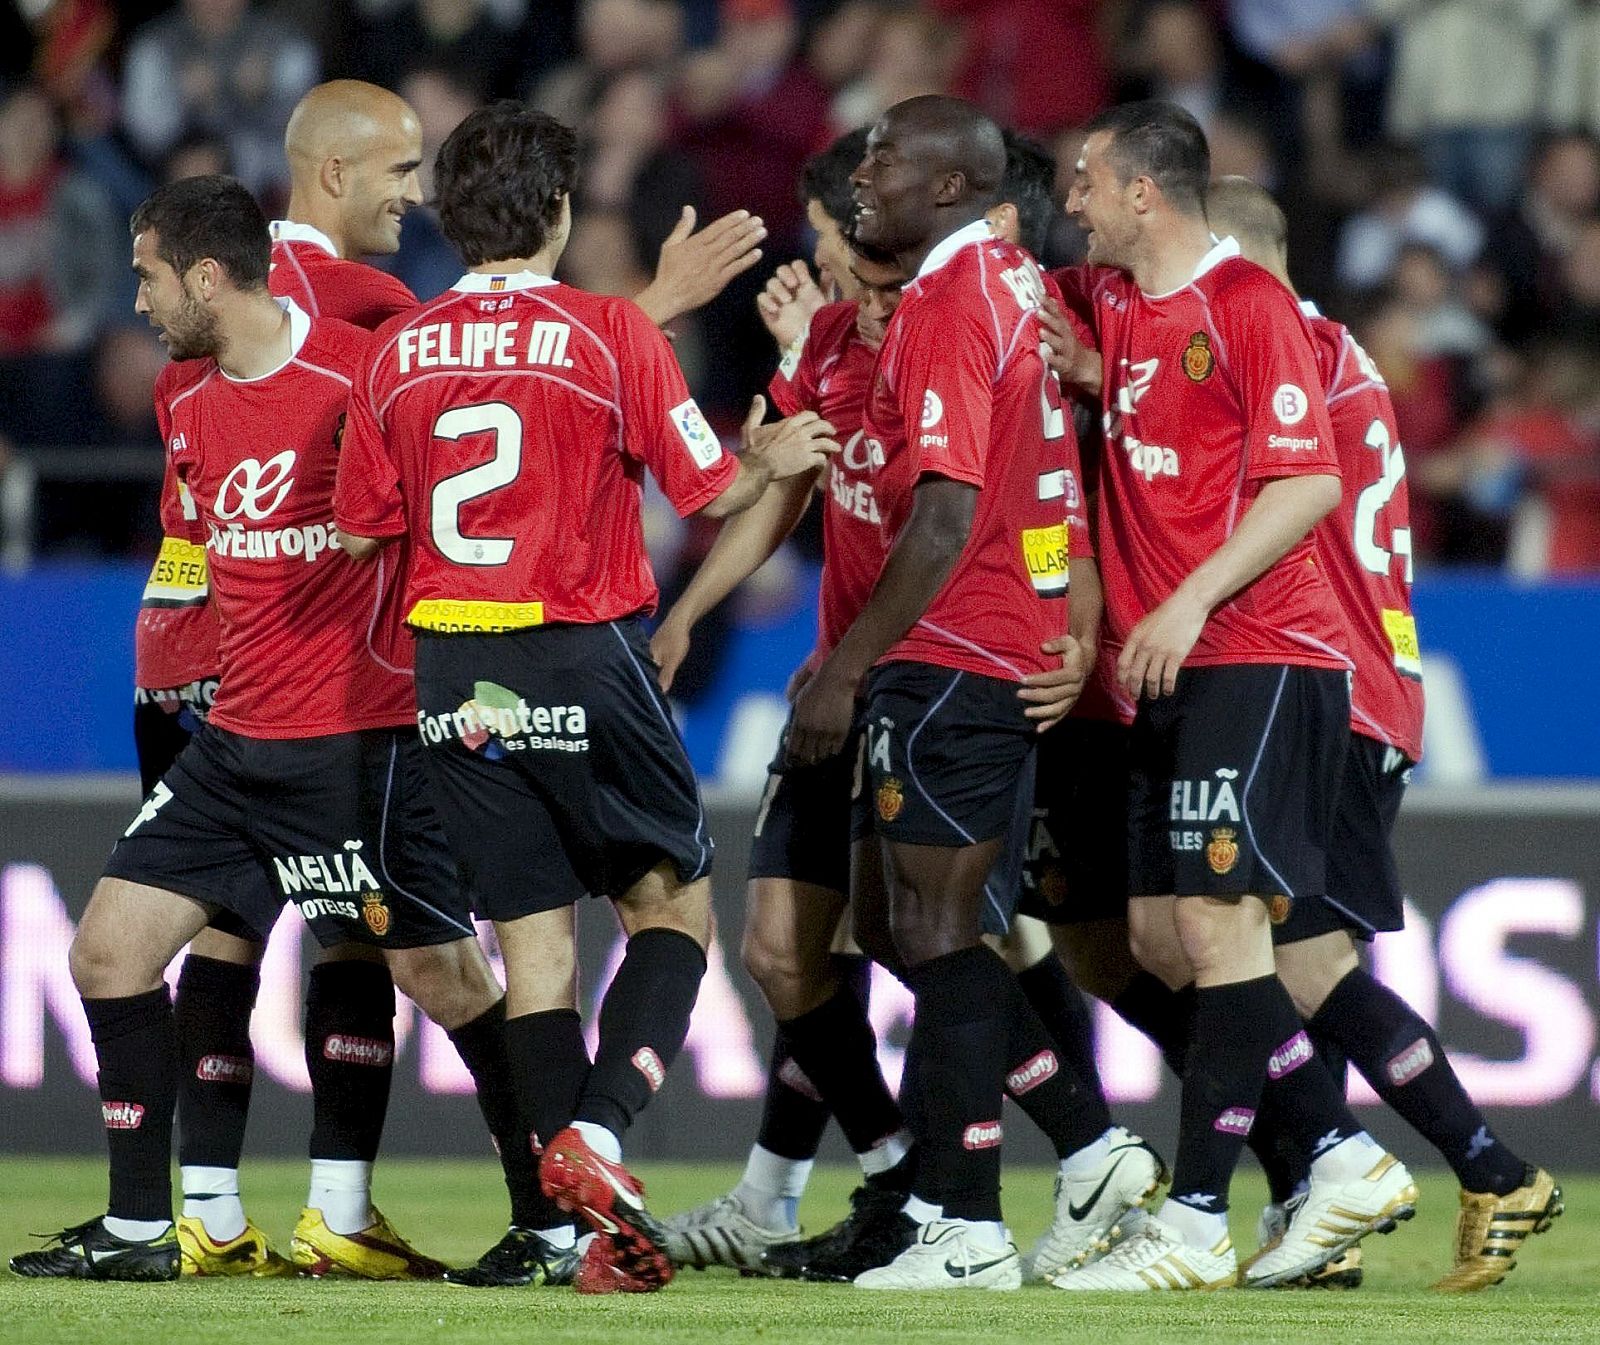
<point>1309,970</point>
<point>449,982</point>
<point>660,900</point>
<point>1154,945</point>
<point>1222,936</point>
<point>91,963</point>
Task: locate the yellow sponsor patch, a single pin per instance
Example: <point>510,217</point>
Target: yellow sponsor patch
<point>478,618</point>
<point>178,578</point>
<point>1401,628</point>
<point>1044,550</point>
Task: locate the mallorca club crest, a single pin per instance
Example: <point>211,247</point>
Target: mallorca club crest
<point>375,913</point>
<point>1223,851</point>
<point>1197,359</point>
<point>1278,908</point>
<point>890,799</point>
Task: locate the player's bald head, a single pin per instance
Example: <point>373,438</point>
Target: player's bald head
<point>950,135</point>
<point>1237,206</point>
<point>343,118</point>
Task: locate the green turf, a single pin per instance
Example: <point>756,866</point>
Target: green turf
<point>454,1210</point>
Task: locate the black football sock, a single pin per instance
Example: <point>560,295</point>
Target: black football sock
<point>136,1043</point>
<point>644,1019</point>
<point>835,1047</point>
<point>216,1063</point>
<point>1164,1015</point>
<point>1308,1106</point>
<point>961,1029</point>
<point>1285,1163</point>
<point>1067,1101</point>
<point>1402,1058</point>
<point>350,1055</point>
<point>549,1067</point>
<point>793,1114</point>
<point>482,1045</point>
<point>1231,1039</point>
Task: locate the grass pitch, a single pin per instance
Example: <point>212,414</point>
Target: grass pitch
<point>456,1209</point>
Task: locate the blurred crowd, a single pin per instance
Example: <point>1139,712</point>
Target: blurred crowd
<point>1439,161</point>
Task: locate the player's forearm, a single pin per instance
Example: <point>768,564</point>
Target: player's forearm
<point>1087,604</point>
<point>1282,514</point>
<point>916,569</point>
<point>743,546</point>
<point>755,475</point>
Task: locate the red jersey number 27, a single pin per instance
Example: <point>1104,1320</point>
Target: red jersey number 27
<point>452,492</point>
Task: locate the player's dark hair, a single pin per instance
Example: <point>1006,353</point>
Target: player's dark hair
<point>825,178</point>
<point>1162,142</point>
<point>1030,186</point>
<point>499,178</point>
<point>211,216</point>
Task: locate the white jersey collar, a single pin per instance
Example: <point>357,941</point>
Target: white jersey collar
<point>476,283</point>
<point>1310,309</point>
<point>291,231</point>
<point>976,232</point>
<point>1221,250</point>
<point>299,329</point>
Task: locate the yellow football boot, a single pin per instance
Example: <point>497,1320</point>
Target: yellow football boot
<point>248,1254</point>
<point>1491,1228</point>
<point>377,1252</point>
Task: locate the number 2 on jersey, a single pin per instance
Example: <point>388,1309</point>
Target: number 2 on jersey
<point>1372,501</point>
<point>452,492</point>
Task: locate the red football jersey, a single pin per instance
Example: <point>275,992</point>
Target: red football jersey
<point>175,640</point>
<point>1208,393</point>
<point>829,372</point>
<point>307,269</point>
<point>505,428</point>
<point>304,627</point>
<point>962,393</point>
<point>1366,542</point>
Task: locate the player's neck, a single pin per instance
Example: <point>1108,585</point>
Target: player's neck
<point>542,263</point>
<point>257,336</point>
<point>911,261</point>
<point>1171,254</point>
<point>308,210</point>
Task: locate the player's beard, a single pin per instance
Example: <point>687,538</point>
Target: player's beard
<point>192,334</point>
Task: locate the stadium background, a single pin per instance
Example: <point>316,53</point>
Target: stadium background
<point>1443,183</point>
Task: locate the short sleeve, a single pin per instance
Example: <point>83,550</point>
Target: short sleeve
<point>367,501</point>
<point>379,297</point>
<point>662,426</point>
<point>1270,355</point>
<point>942,378</point>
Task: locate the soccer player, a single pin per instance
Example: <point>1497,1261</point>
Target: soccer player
<point>1365,546</point>
<point>353,152</point>
<point>503,431</point>
<point>303,785</point>
<point>1218,462</point>
<point>824,1055</point>
<point>976,453</point>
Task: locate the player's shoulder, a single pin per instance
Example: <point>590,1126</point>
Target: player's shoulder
<point>180,376</point>
<point>335,344</point>
<point>1237,282</point>
<point>1084,279</point>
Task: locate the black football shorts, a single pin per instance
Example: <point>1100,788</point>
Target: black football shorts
<point>1364,894</point>
<point>164,719</point>
<point>558,767</point>
<point>1076,869</point>
<point>342,827</point>
<point>1232,781</point>
<point>805,822</point>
